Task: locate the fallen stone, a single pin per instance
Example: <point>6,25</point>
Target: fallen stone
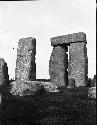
<point>23,88</point>
<point>67,39</point>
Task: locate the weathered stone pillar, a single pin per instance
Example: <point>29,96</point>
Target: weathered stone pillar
<point>4,77</point>
<point>78,63</point>
<point>25,63</point>
<point>58,65</point>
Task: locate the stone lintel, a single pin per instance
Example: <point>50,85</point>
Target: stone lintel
<point>67,39</point>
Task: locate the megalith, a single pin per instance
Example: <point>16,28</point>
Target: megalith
<point>58,65</point>
<point>25,63</point>
<point>78,63</point>
<point>67,39</point>
<point>4,77</point>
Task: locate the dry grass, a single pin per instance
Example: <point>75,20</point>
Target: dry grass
<point>69,106</point>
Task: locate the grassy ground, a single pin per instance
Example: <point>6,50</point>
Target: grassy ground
<point>68,107</point>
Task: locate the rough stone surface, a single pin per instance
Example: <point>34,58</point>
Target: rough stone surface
<point>25,63</point>
<point>90,83</point>
<point>92,92</point>
<point>67,39</point>
<point>50,87</point>
<point>78,63</point>
<point>71,83</point>
<point>94,79</point>
<point>4,77</point>
<point>23,88</point>
<point>58,65</point>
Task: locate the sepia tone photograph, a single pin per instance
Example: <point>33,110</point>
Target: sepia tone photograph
<point>48,62</point>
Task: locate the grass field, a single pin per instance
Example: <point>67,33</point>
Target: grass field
<point>67,107</point>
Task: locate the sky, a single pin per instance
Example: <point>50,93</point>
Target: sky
<point>44,19</point>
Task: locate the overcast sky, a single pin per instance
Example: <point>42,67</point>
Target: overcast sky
<point>44,19</point>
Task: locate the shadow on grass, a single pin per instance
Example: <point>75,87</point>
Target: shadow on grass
<point>69,106</point>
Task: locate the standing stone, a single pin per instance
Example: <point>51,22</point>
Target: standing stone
<point>4,77</point>
<point>58,65</point>
<point>25,63</point>
<point>78,63</point>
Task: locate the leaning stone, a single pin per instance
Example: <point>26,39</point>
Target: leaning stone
<point>58,66</point>
<point>25,63</point>
<point>4,77</point>
<point>23,88</point>
<point>92,92</point>
<point>67,39</point>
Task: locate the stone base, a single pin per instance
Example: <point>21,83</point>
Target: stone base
<point>92,92</point>
<point>71,83</point>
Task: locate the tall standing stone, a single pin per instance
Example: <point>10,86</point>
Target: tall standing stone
<point>58,65</point>
<point>78,60</point>
<point>4,77</point>
<point>25,63</point>
<point>78,63</point>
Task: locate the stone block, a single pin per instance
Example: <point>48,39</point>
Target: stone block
<point>67,39</point>
<point>4,77</point>
<point>22,88</point>
<point>78,63</point>
<point>49,87</point>
<point>25,63</point>
<point>58,65</point>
